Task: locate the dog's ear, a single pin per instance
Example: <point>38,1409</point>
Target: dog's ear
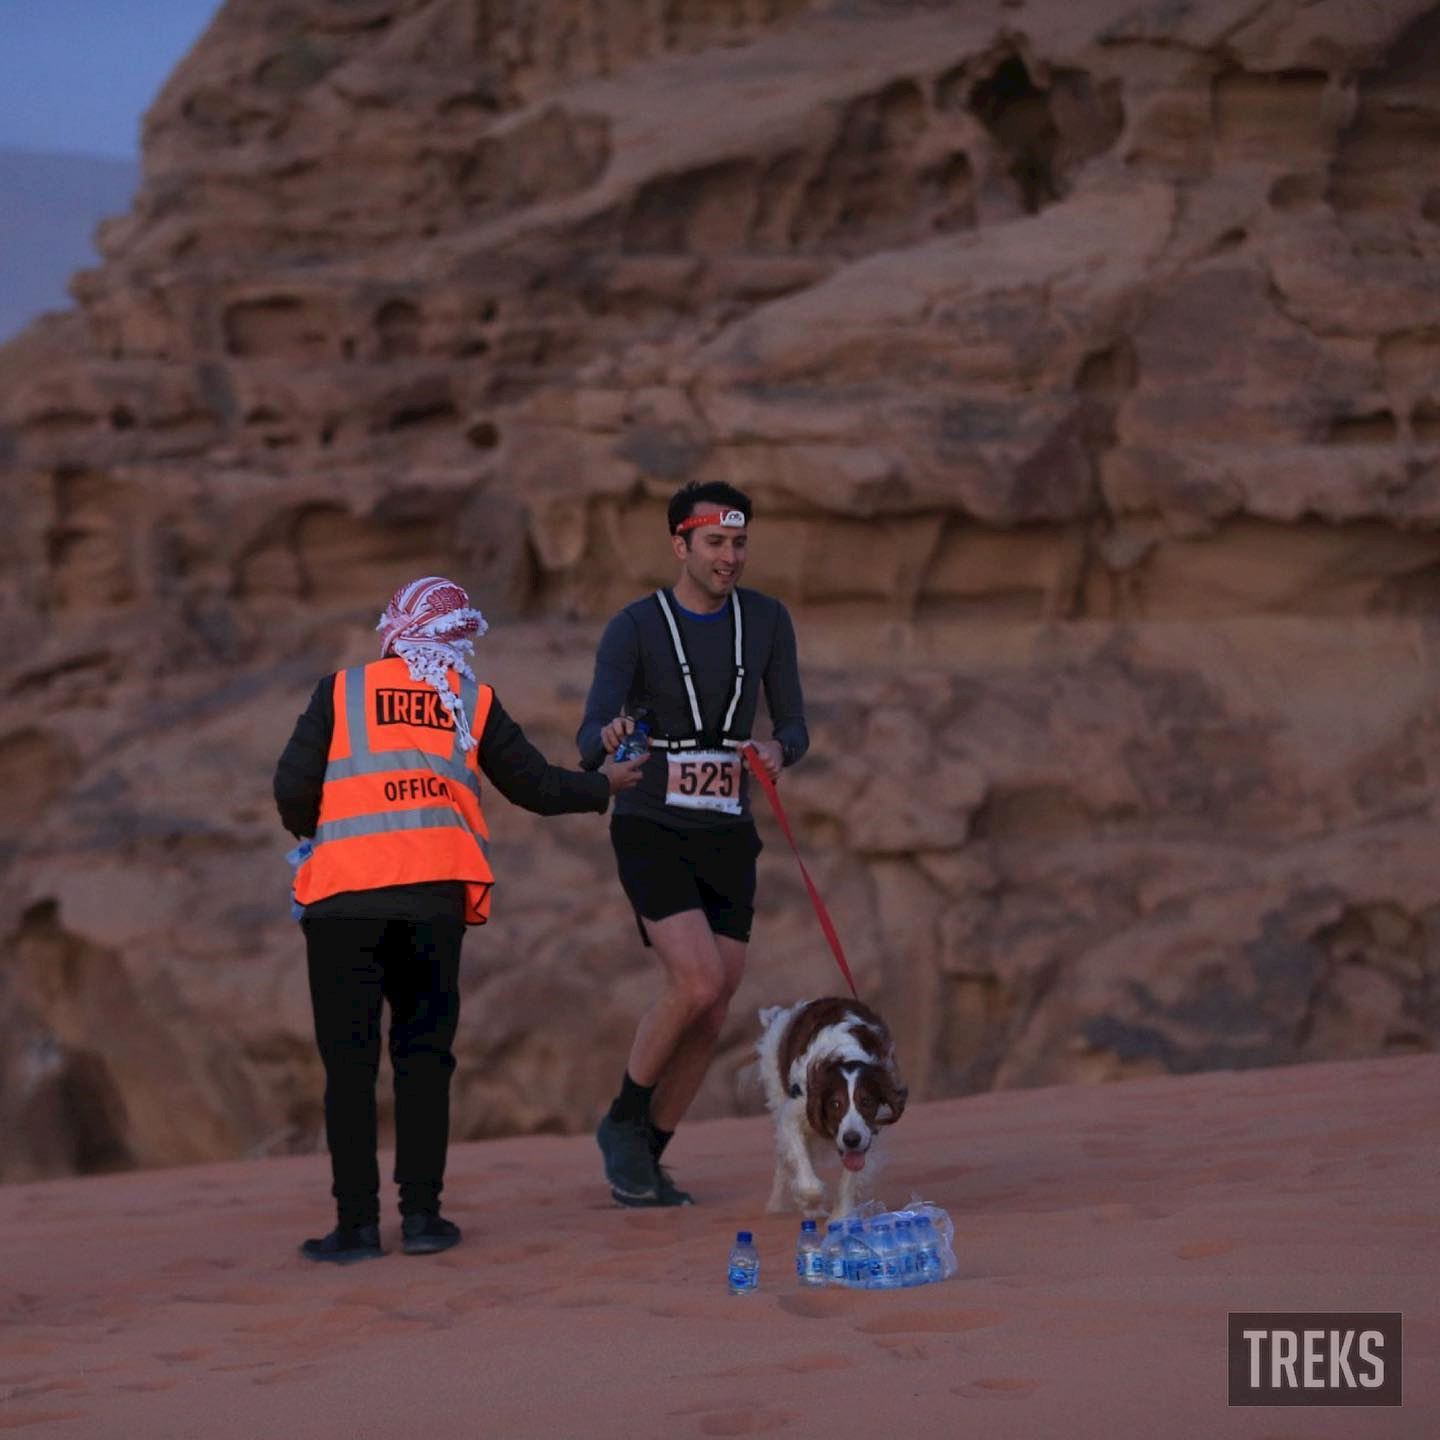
<point>815,1089</point>
<point>893,1095</point>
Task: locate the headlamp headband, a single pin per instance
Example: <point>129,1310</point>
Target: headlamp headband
<point>730,519</point>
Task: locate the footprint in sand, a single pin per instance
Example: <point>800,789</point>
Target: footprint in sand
<point>628,1240</point>
<point>19,1419</point>
<point>1122,1210</point>
<point>931,1322</point>
<point>819,1304</point>
<point>814,1364</point>
<point>997,1387</point>
<point>68,1388</point>
<point>1204,1249</point>
<point>236,1295</point>
<point>744,1422</point>
<point>904,1349</point>
<point>946,1172</point>
<point>198,1265</point>
<point>281,1377</point>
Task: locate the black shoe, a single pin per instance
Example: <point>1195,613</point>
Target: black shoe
<point>345,1244</point>
<point>667,1192</point>
<point>427,1232</point>
<point>629,1166</point>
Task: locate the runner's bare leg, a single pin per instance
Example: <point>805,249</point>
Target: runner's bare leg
<point>682,1077</point>
<point>700,977</point>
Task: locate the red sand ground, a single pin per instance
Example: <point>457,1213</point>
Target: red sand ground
<point>1102,1233</point>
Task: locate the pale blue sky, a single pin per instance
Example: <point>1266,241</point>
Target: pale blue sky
<point>77,75</point>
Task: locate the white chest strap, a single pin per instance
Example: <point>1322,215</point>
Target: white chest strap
<point>685,675</point>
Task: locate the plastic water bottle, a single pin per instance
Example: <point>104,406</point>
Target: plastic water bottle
<point>885,1261</point>
<point>636,743</point>
<point>809,1265</point>
<point>832,1253</point>
<point>857,1256</point>
<point>911,1270</point>
<point>744,1267</point>
<point>938,1238</point>
<point>940,1219</point>
<point>927,1251</point>
<point>296,858</point>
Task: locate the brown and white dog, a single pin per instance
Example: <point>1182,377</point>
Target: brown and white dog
<point>828,1068</point>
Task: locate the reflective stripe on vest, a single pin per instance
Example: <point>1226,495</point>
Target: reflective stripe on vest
<point>429,819</point>
<point>398,817</point>
<point>362,760</point>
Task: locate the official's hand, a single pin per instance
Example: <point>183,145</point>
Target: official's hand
<point>615,732</point>
<point>625,774</point>
<point>770,755</point>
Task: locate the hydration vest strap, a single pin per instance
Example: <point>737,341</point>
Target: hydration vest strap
<point>684,662</point>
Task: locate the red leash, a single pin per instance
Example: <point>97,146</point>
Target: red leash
<point>822,914</point>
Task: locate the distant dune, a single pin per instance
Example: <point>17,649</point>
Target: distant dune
<point>50,205</point>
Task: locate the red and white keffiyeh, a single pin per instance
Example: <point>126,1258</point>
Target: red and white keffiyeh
<point>429,624</point>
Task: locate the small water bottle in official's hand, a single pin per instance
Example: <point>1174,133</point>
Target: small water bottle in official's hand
<point>744,1268</point>
<point>809,1261</point>
<point>636,744</point>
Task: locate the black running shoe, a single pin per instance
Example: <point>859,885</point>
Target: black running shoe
<point>629,1166</point>
<point>668,1192</point>
<point>345,1244</point>
<point>427,1233</point>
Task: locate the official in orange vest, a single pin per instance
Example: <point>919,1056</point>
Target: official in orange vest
<point>383,777</point>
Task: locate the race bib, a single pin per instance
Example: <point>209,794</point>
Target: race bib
<point>704,780</point>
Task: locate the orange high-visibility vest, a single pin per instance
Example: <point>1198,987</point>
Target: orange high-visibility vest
<point>401,800</point>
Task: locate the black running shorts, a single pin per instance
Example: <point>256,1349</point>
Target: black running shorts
<point>709,868</point>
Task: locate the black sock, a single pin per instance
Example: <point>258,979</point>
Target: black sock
<point>659,1139</point>
<point>632,1104</point>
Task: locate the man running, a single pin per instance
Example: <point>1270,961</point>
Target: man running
<point>691,662</point>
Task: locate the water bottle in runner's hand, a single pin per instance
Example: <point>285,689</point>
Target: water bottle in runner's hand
<point>637,742</point>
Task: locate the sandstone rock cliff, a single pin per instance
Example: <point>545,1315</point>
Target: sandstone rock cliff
<point>1080,356</point>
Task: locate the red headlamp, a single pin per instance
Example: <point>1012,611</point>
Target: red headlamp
<point>730,519</point>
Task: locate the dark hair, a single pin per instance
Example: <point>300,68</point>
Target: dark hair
<point>714,492</point>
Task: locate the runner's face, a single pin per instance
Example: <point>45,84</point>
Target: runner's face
<point>715,558</point>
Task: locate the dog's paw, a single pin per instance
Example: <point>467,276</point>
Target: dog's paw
<point>811,1202</point>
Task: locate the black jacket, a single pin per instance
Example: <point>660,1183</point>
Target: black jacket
<point>507,760</point>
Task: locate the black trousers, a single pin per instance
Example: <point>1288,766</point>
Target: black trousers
<point>355,965</point>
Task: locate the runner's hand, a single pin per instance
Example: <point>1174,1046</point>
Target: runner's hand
<point>615,732</point>
<point>625,774</point>
<point>770,755</point>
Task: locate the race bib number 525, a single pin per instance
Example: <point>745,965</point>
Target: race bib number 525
<point>704,780</point>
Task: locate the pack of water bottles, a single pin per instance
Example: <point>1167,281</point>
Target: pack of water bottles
<point>879,1250</point>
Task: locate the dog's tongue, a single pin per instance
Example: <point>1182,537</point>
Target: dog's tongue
<point>852,1161</point>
